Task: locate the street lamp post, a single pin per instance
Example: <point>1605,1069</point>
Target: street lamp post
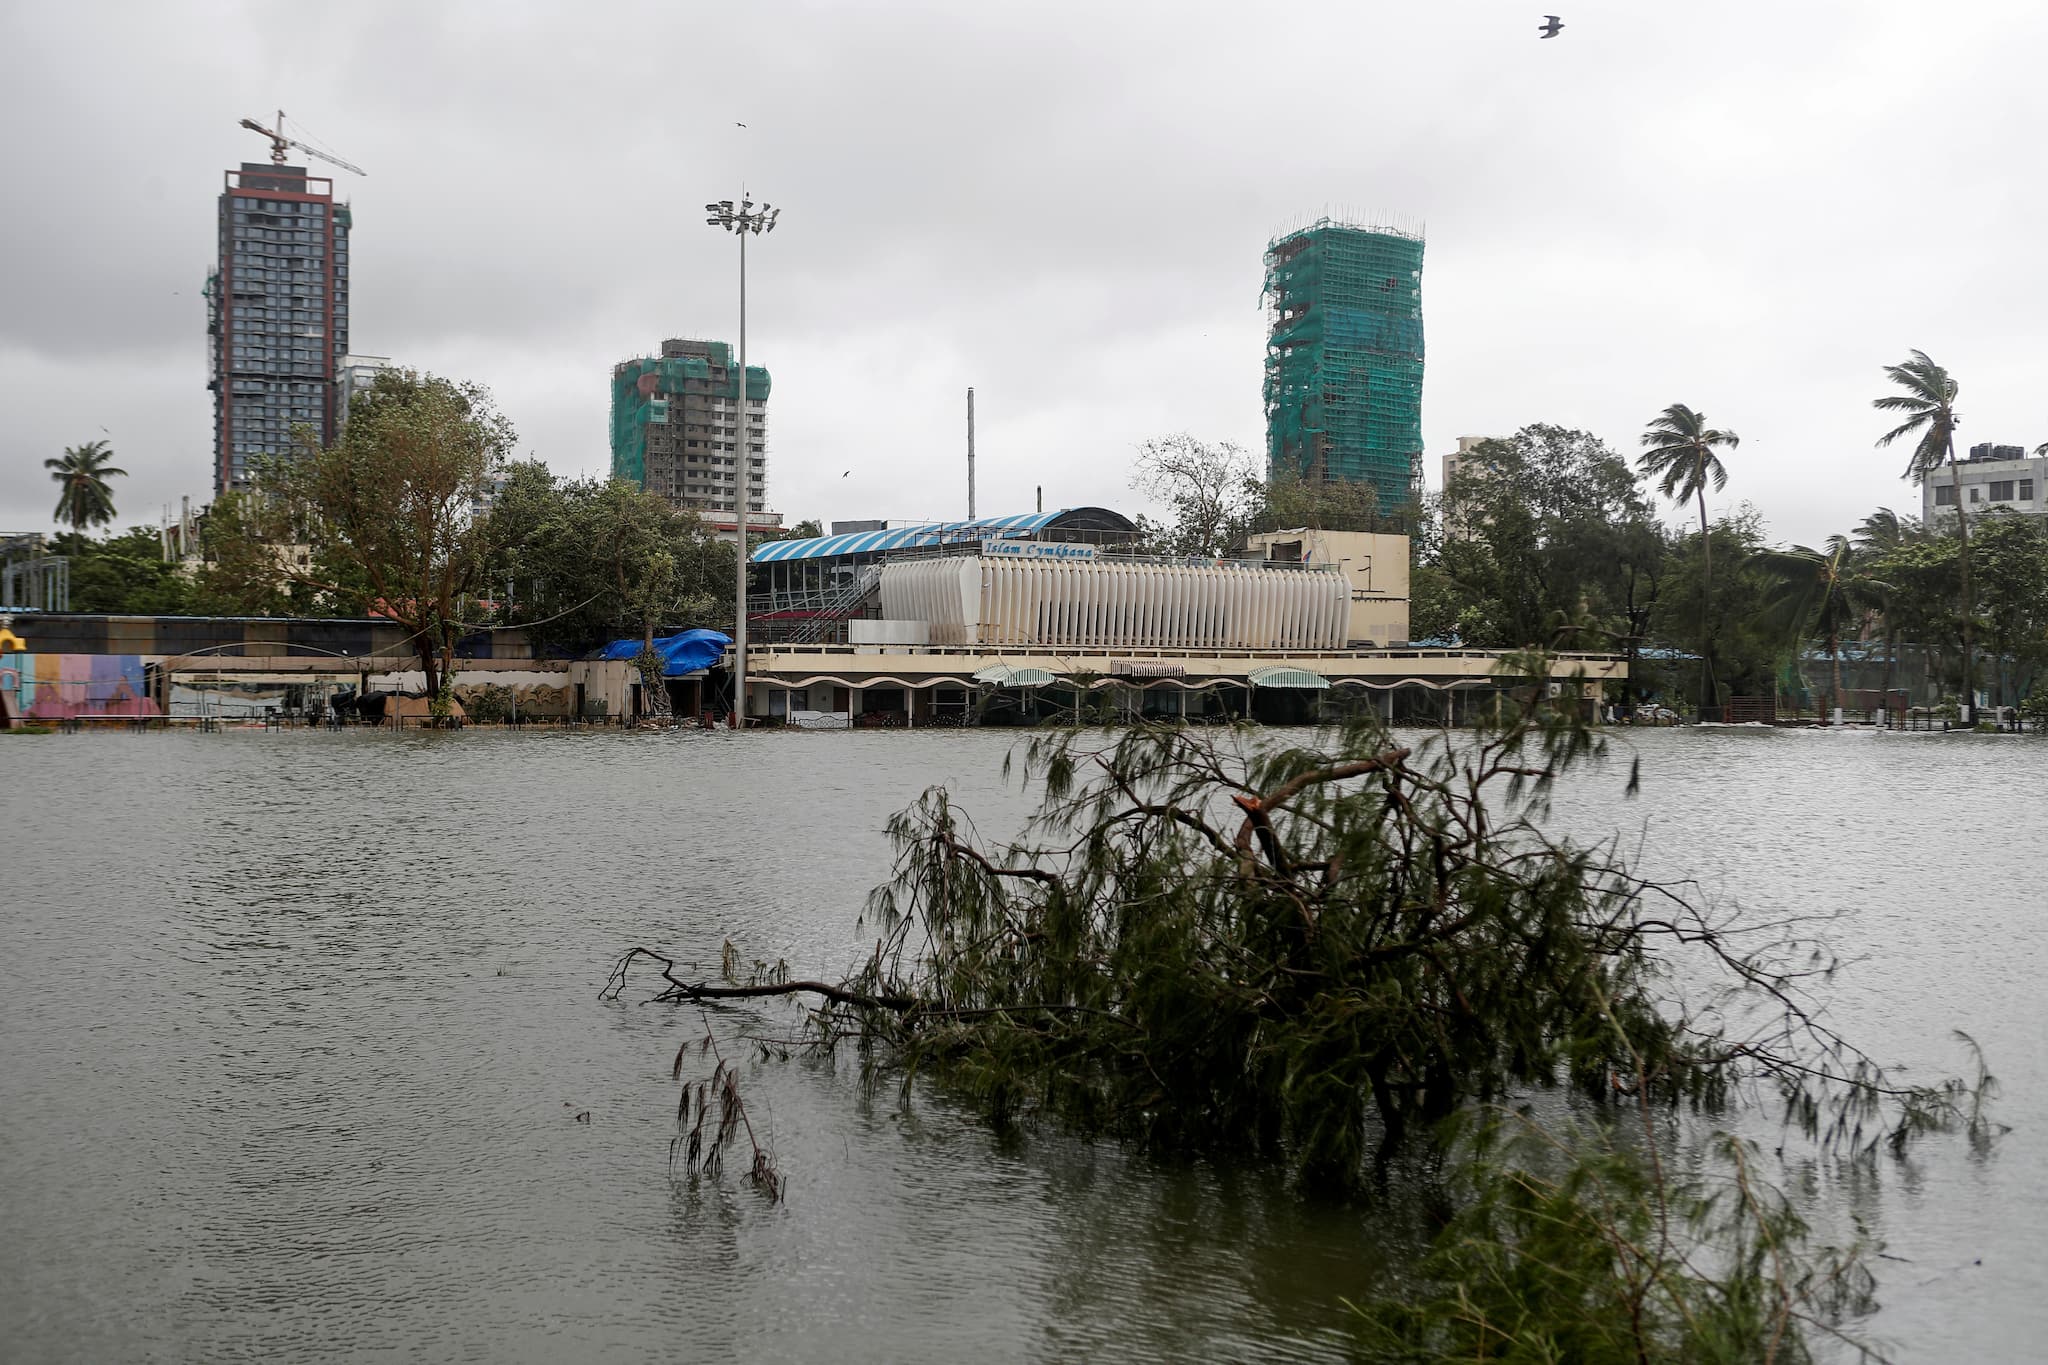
<point>746,220</point>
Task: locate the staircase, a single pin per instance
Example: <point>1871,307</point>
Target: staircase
<point>822,613</point>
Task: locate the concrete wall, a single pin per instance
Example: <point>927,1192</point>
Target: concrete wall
<point>1377,567</point>
<point>860,632</point>
<point>71,633</point>
<point>536,692</point>
<point>604,681</point>
<point>48,687</point>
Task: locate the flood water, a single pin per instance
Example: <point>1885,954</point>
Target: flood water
<point>294,1029</point>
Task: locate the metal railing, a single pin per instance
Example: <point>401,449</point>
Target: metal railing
<point>1177,652</point>
<point>814,612</point>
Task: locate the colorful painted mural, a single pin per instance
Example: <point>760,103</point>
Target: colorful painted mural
<point>60,686</point>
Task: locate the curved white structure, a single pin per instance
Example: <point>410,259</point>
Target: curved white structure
<point>1104,603</point>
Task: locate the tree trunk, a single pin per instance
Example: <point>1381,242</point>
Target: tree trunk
<point>1969,602</point>
<point>1706,608</point>
<point>1835,668</point>
<point>1891,659</point>
<point>653,680</point>
<point>430,664</point>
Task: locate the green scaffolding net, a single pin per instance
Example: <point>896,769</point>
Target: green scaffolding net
<point>643,389</point>
<point>1344,359</point>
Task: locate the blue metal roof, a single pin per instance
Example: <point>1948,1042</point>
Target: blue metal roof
<point>906,537</point>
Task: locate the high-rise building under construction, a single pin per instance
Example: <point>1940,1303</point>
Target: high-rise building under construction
<point>1344,357</point>
<point>276,315</point>
<point>675,426</point>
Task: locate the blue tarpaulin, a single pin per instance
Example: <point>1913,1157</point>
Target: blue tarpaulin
<point>686,653</point>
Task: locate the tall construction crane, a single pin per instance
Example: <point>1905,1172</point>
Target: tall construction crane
<point>278,142</point>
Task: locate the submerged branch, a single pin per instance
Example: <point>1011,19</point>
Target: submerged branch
<point>680,990</point>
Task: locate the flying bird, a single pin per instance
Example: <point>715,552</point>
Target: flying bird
<point>1550,29</point>
<point>847,472</point>
<point>739,125</point>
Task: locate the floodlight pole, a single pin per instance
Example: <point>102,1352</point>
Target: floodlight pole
<point>744,219</point>
<point>742,480</point>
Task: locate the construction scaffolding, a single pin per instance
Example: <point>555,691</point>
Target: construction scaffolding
<point>642,390</point>
<point>1343,384</point>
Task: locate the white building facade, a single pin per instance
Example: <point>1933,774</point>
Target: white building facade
<point>1995,478</point>
<point>1107,604</point>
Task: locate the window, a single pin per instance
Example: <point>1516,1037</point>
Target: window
<point>1945,495</point>
<point>2001,490</point>
<point>1976,494</point>
<point>2026,490</point>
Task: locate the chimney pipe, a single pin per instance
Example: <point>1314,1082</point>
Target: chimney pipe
<point>970,453</point>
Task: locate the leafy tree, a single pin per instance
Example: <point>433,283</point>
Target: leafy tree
<point>385,515</point>
<point>1571,1245</point>
<point>1290,501</point>
<point>124,575</point>
<point>593,560</point>
<point>82,473</point>
<point>1885,530</point>
<point>1922,580</point>
<point>1877,535</point>
<point>1644,560</point>
<point>1435,603</point>
<point>1533,536</point>
<point>2012,589</point>
<point>807,529</point>
<point>1210,491</point>
<point>1929,407</point>
<point>1750,649</point>
<point>1817,594</point>
<point>1678,452</point>
<point>1215,497</point>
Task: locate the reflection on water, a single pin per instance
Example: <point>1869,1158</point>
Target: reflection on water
<point>294,1027</point>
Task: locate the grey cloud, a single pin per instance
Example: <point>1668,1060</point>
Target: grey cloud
<point>1062,204</point>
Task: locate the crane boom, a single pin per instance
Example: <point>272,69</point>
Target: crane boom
<point>335,160</point>
<point>278,142</point>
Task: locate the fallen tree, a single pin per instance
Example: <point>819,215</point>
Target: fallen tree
<point>1318,956</point>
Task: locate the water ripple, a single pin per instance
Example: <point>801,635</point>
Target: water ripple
<point>295,1028</point>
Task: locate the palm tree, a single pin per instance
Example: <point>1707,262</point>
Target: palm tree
<point>83,472</point>
<point>1679,452</point>
<point>1885,530</point>
<point>1880,533</point>
<point>1817,595</point>
<point>1929,402</point>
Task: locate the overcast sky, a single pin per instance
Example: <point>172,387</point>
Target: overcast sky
<point>1747,207</point>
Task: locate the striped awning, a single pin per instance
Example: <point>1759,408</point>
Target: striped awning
<point>1277,675</point>
<point>1002,675</point>
<point>903,537</point>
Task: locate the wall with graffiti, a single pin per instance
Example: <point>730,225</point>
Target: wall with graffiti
<point>60,686</point>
